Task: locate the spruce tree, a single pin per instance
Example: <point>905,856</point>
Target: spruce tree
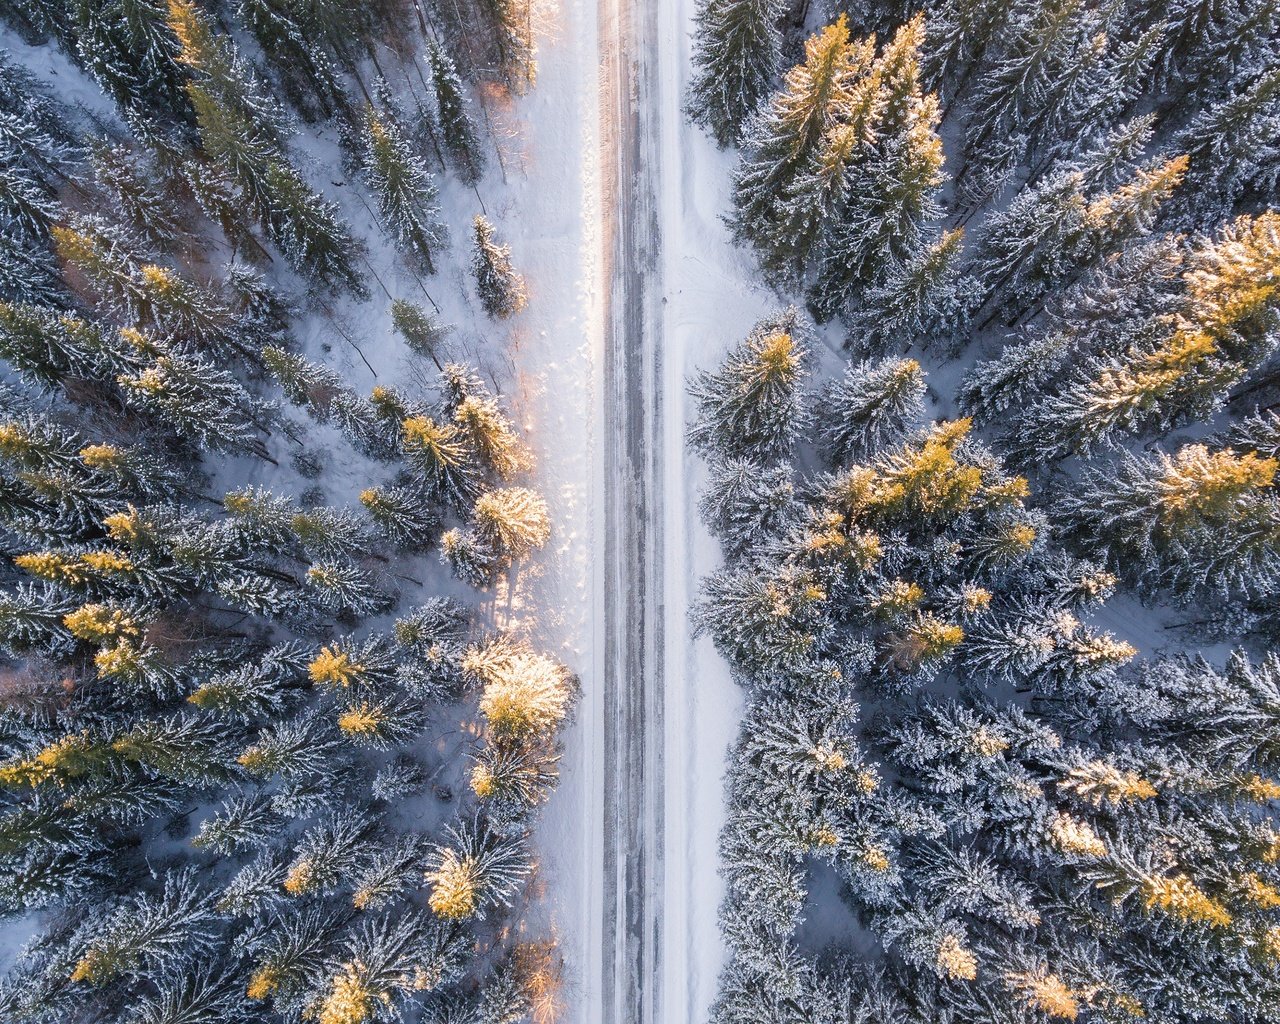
<point>423,332</point>
<point>751,407</point>
<point>513,521</point>
<point>1196,520</point>
<point>871,407</point>
<point>737,49</point>
<point>402,516</point>
<point>476,870</point>
<point>405,190</point>
<point>456,126</point>
<point>926,299</point>
<point>197,401</point>
<point>501,289</point>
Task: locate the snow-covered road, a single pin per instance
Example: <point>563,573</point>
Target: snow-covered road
<point>635,284</point>
<point>632,680</point>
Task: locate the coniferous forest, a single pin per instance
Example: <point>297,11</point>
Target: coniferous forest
<point>314,314</point>
<point>997,500</point>
<point>261,756</point>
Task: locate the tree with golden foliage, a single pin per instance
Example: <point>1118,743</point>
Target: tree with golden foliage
<point>476,869</point>
<point>523,693</point>
<point>752,406</point>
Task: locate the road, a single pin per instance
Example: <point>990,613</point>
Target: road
<point>634,626</point>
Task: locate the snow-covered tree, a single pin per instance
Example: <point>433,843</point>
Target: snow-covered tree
<point>751,407</point>
<point>501,289</point>
<point>405,189</point>
<point>737,50</point>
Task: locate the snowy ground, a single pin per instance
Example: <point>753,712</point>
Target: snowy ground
<point>711,301</point>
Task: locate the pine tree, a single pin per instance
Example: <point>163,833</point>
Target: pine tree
<point>925,299</point>
<point>1182,364</point>
<point>751,407</point>
<point>245,135</point>
<point>524,693</point>
<point>744,503</point>
<point>328,854</point>
<point>468,557</point>
<point>281,31</point>
<point>486,427</point>
<point>380,724</point>
<point>146,933</point>
<point>47,348</point>
<point>1231,145</point>
<point>128,48</point>
<point>994,385</point>
<point>401,516</point>
<point>737,49</point>
<point>198,993</point>
<point>1054,230</point>
<point>423,332</point>
<point>331,533</point>
<point>885,197</point>
<point>765,626</point>
<point>31,620</point>
<point>439,457</point>
<point>1044,49</point>
<point>197,401</point>
<point>293,748</point>
<point>345,587</point>
<point>245,821</point>
<point>512,38</point>
<point>513,521</point>
<point>255,690</point>
<point>960,34</point>
<point>501,289</point>
<point>390,956</point>
<point>511,780</point>
<point>842,169</point>
<point>28,274</point>
<point>1196,520</point>
<point>478,869</point>
<point>787,134</point>
<point>26,205</point>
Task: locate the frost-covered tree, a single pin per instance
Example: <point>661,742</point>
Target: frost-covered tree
<point>197,401</point>
<point>405,189</point>
<point>842,168</point>
<point>926,299</point>
<point>457,130</point>
<point>1182,363</point>
<point>401,514</point>
<point>1196,520</point>
<point>477,869</point>
<point>513,521</point>
<point>440,458</point>
<point>242,134</point>
<point>501,289</point>
<point>737,50</point>
<point>524,693</point>
<point>871,406</point>
<point>751,407</point>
